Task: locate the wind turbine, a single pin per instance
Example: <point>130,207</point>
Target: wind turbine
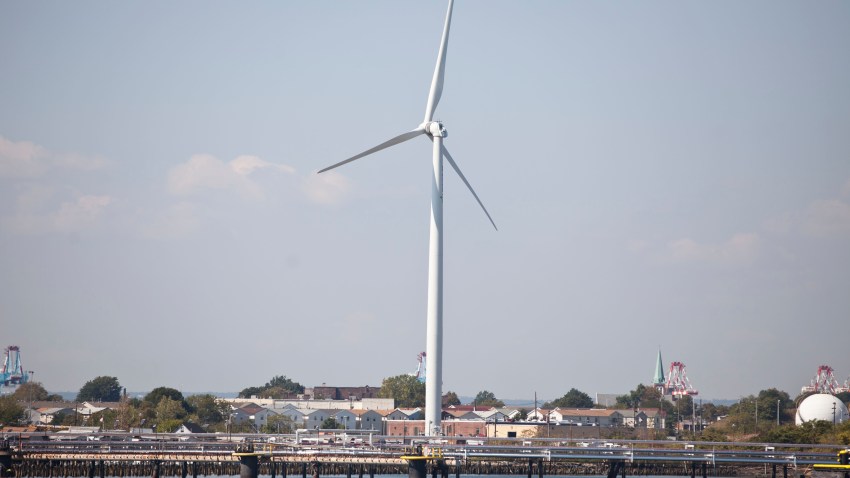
<point>435,131</point>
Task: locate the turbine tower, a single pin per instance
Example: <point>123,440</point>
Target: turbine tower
<point>436,132</point>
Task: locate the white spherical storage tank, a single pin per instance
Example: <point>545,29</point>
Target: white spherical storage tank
<point>821,406</point>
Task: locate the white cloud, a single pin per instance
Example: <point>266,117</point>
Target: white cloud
<point>826,218</point>
<point>24,159</point>
<point>325,188</point>
<point>74,216</point>
<point>204,172</point>
<point>245,165</point>
<point>741,248</point>
<point>21,159</point>
<point>77,215</point>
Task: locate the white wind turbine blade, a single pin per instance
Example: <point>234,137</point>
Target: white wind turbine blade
<point>463,178</point>
<point>386,144</point>
<point>439,71</point>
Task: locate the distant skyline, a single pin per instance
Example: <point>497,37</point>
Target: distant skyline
<point>664,174</point>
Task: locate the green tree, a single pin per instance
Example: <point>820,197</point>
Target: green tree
<point>10,412</point>
<point>450,398</point>
<point>280,386</point>
<point>207,409</point>
<point>330,423</point>
<point>572,399</point>
<point>810,433</point>
<point>274,392</point>
<point>713,434</point>
<point>100,389</point>
<point>157,394</point>
<point>106,419</point>
<point>168,426</point>
<point>406,390</point>
<point>711,412</point>
<point>281,381</point>
<point>30,391</point>
<point>642,396</point>
<point>487,398</point>
<point>768,401</point>
<point>169,409</point>
<point>279,424</point>
<point>249,392</point>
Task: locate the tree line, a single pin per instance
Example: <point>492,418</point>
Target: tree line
<point>767,416</point>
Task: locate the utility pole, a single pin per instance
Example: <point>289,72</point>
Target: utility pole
<point>31,385</point>
<point>757,414</point>
<point>777,411</point>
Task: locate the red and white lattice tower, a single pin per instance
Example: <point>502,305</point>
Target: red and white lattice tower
<point>845,388</point>
<point>678,384</point>
<point>824,382</point>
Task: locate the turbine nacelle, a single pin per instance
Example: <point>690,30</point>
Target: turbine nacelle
<point>434,129</point>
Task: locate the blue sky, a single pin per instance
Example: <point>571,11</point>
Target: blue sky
<point>663,173</point>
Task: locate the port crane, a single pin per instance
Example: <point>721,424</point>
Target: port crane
<point>12,373</point>
<point>420,367</point>
<point>824,382</point>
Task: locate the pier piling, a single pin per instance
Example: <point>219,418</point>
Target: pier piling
<point>6,463</point>
<point>615,467</point>
<point>248,466</point>
<point>415,469</point>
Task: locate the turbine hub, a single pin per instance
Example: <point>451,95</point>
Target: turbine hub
<point>435,128</point>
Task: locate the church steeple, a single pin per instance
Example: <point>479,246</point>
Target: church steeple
<point>658,379</point>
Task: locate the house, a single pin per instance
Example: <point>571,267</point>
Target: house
<point>187,428</point>
<point>294,414</point>
<point>631,418</point>
<point>239,416</point>
<point>654,418</point>
<point>46,415</point>
<point>538,415</point>
<point>470,408</point>
<point>493,415</point>
<point>449,414</point>
<point>346,418</point>
<point>342,393</point>
<point>510,413</point>
<point>251,412</point>
<point>313,419</point>
<point>406,414</point>
<point>596,417</point>
<point>369,420</point>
